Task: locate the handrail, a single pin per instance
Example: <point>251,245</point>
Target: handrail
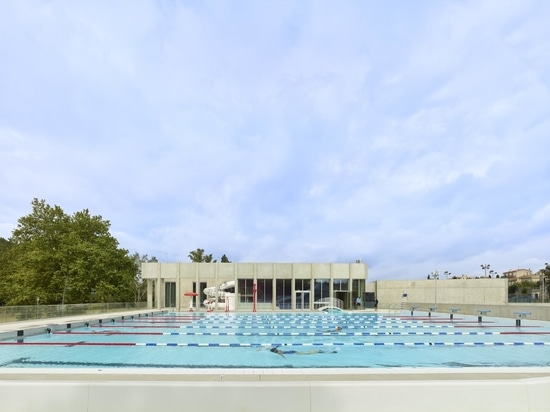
<point>339,303</point>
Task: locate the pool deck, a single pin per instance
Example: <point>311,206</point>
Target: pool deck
<point>313,390</point>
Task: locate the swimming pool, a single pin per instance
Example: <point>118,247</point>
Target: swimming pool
<point>235,340</point>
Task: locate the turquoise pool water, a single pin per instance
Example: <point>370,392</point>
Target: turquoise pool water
<point>310,340</point>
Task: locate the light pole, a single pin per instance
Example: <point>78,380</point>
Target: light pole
<point>435,276</point>
<point>447,274</point>
<point>543,280</point>
<point>485,267</point>
<point>63,297</point>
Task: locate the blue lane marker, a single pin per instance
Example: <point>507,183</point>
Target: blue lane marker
<point>429,333</point>
<point>256,344</point>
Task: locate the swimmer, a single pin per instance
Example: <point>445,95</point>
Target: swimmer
<point>297,352</point>
<point>338,329</point>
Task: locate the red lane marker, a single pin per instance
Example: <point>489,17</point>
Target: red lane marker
<point>493,326</point>
<point>413,317</point>
<point>136,326</point>
<point>453,322</point>
<point>439,319</point>
<point>159,322</point>
<point>104,333</point>
<point>165,318</point>
<point>68,343</point>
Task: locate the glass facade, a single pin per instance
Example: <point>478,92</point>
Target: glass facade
<point>265,290</point>
<point>302,292</point>
<point>283,293</point>
<point>170,294</point>
<point>276,286</point>
<point>322,289</point>
<point>245,290</point>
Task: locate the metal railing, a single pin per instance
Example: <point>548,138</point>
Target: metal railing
<point>526,298</point>
<point>31,312</point>
<point>339,303</point>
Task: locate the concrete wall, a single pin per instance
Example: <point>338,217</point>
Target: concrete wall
<point>442,291</point>
<point>470,295</point>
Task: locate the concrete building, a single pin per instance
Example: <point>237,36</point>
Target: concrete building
<point>267,286</point>
<point>517,275</point>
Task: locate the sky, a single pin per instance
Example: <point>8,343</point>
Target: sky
<point>413,135</point>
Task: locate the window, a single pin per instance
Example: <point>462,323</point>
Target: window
<point>264,290</point>
<point>245,290</point>
<point>340,285</point>
<point>283,296</point>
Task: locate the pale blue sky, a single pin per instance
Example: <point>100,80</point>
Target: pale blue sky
<point>411,134</point>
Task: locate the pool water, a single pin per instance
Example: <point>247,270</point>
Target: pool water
<point>311,340</point>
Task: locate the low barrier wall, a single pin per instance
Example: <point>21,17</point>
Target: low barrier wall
<point>539,311</point>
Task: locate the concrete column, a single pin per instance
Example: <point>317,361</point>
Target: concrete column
<point>150,293</point>
<point>273,292</point>
<point>311,289</point>
<point>178,288</point>
<point>292,290</point>
<point>330,284</point>
<point>159,295</point>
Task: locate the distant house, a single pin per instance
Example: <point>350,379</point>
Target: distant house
<point>518,275</point>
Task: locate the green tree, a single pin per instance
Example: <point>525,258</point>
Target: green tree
<point>200,257</point>
<point>4,245</point>
<point>5,253</point>
<point>526,286</point>
<point>65,259</point>
<point>139,287</point>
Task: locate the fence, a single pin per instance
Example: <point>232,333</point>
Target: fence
<point>527,298</point>
<point>30,312</point>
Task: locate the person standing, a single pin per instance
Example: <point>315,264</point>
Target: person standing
<point>376,304</point>
<point>358,303</point>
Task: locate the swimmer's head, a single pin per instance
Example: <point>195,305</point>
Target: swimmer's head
<point>274,350</point>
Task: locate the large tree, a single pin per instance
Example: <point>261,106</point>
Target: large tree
<point>62,258</point>
<point>139,286</point>
<point>199,256</point>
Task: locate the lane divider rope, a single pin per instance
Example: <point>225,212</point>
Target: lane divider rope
<point>278,344</point>
<point>452,333</point>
